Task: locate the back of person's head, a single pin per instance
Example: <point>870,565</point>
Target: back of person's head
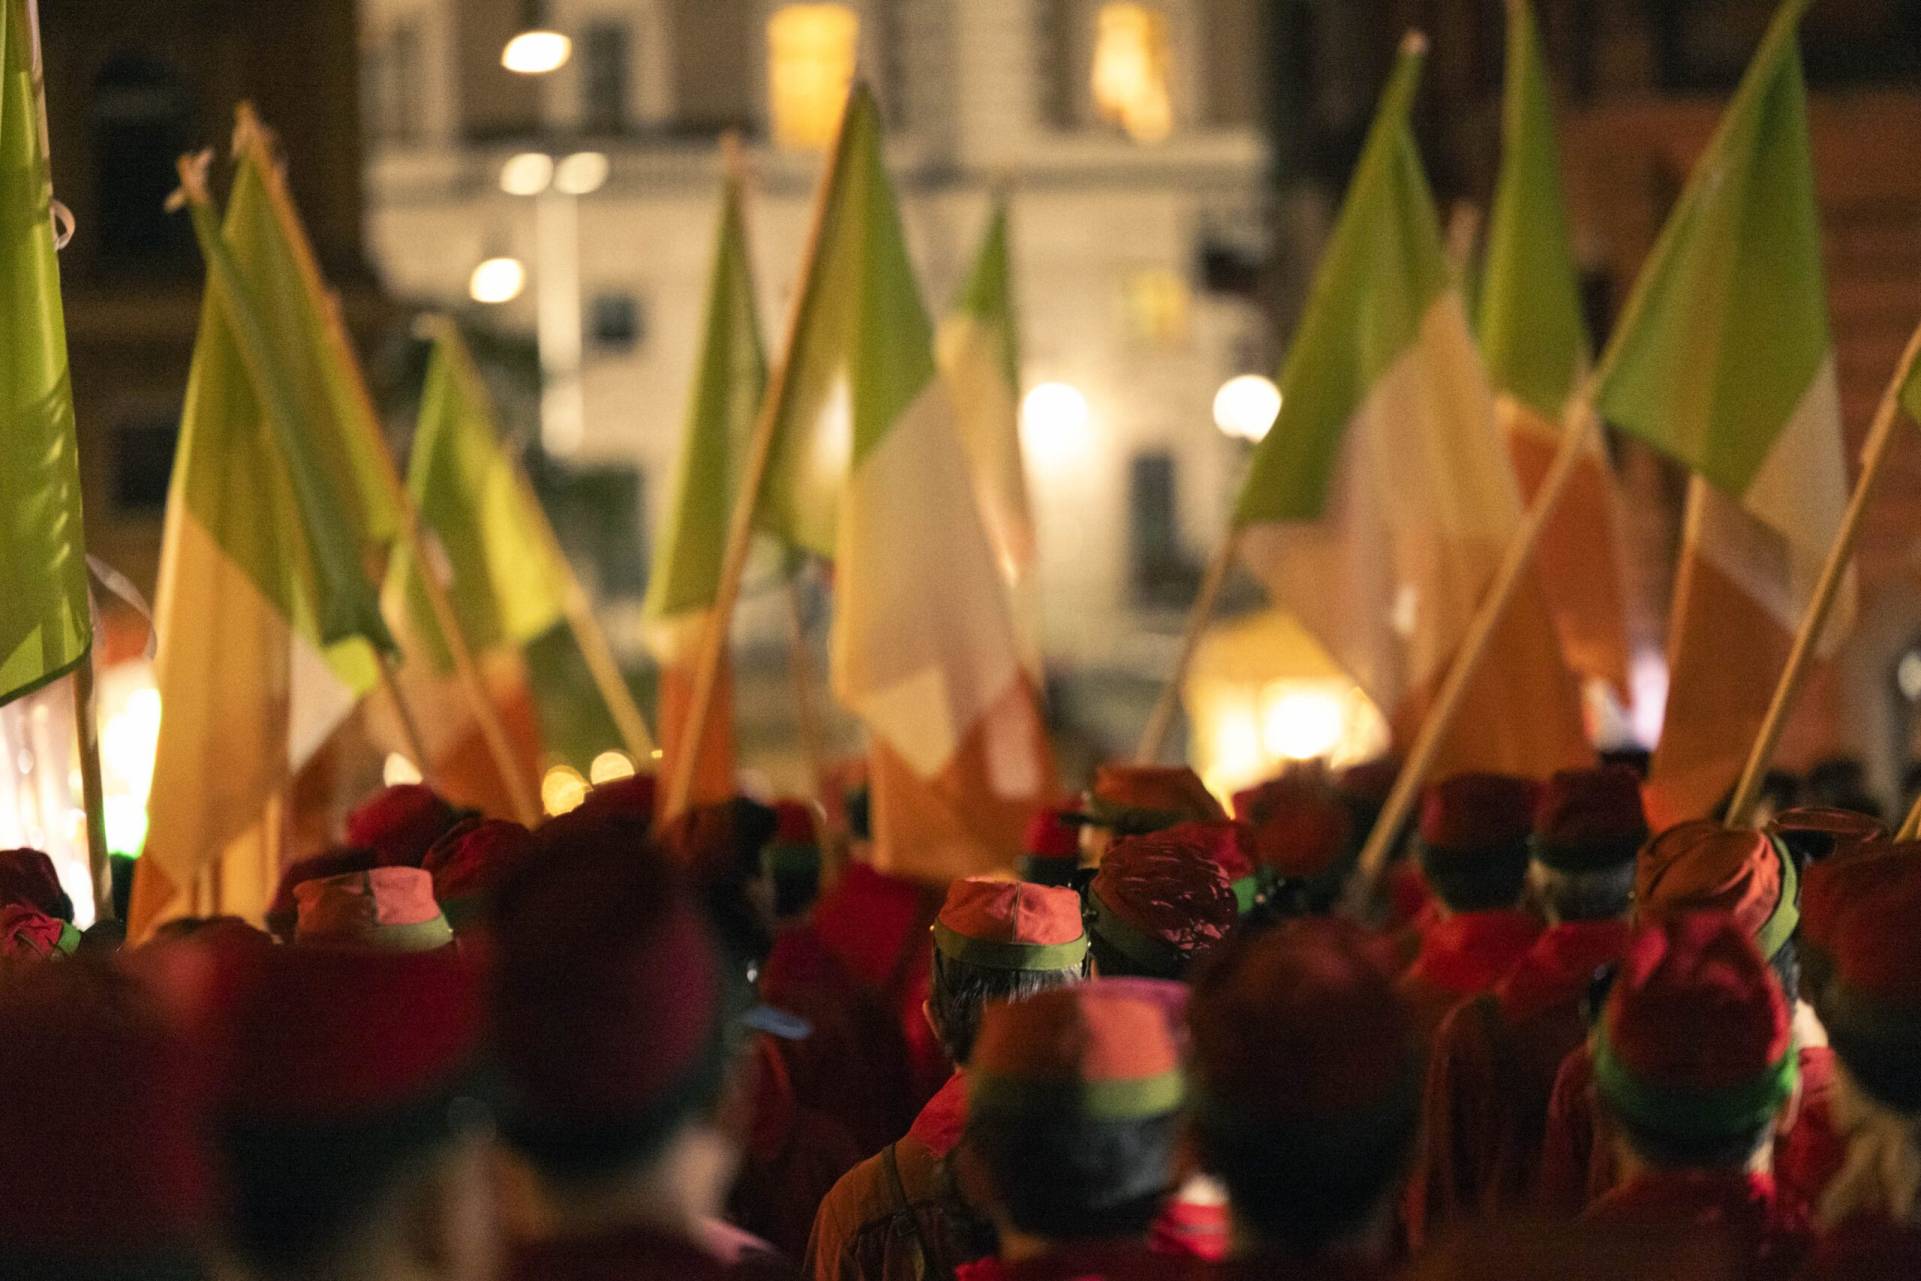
<point>1074,1103</point>
<point>28,876</point>
<point>400,823</point>
<point>719,848</point>
<point>1307,1083</point>
<point>1474,840</point>
<point>283,910</point>
<point>389,909</point>
<point>1158,903</point>
<point>468,863</point>
<point>1704,866</point>
<point>793,859</point>
<point>1694,1053</point>
<point>1588,826</point>
<point>999,941</point>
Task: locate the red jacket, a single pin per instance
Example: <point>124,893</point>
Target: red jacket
<point>1463,956</point>
<point>1770,1238</point>
<point>1081,1261</point>
<point>1868,1248</point>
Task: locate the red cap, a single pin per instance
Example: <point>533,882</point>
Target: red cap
<point>1302,1023</point>
<point>609,924</point>
<point>1160,901</point>
<point>1814,833</point>
<point>29,935</point>
<point>1229,844</point>
<point>1477,811</point>
<point>1050,835</point>
<point>1011,925</point>
<point>632,798</point>
<point>27,876</point>
<point>389,908</point>
<point>399,823</point>
<point>101,1136</point>
<point>1831,887</point>
<point>1369,781</point>
<point>284,910</point>
<point>1703,866</point>
<point>1696,1036</point>
<point>1300,825</point>
<point>1589,819</point>
<point>1877,947</point>
<point>469,861</point>
<point>720,843</point>
<point>1075,1049</point>
<point>1136,799</point>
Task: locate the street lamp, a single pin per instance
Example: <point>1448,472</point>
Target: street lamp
<point>497,279</point>
<point>537,49</point>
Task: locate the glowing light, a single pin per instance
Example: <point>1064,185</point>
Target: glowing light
<point>1130,75</point>
<point>562,789</point>
<point>811,51</point>
<point>536,53</point>
<point>497,280</point>
<point>526,174</point>
<point>1246,406</point>
<point>581,174</point>
<point>1301,723</point>
<point>398,770</point>
<point>609,767</point>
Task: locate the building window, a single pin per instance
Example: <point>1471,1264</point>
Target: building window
<point>142,448</point>
<point>392,86</point>
<point>811,52</point>
<point>141,120</point>
<point>606,74</point>
<point>1154,307</point>
<point>1131,70</point>
<point>1159,572</point>
<point>615,322</point>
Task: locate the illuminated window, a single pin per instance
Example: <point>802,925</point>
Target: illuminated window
<point>1130,74</point>
<point>811,50</point>
<point>1154,302</point>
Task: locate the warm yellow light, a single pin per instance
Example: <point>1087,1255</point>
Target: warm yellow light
<point>1246,406</point>
<point>581,174</point>
<point>562,789</point>
<point>609,767</point>
<point>1301,722</point>
<point>526,174</point>
<point>536,53</point>
<point>811,52</point>
<point>1155,301</point>
<point>1131,71</point>
<point>497,280</point>
<point>398,770</point>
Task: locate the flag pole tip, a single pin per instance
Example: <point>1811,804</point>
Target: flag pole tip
<point>1414,44</point>
<point>193,180</point>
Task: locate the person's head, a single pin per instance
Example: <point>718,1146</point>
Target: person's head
<point>1307,1082</point>
<point>283,911</point>
<point>350,1129</point>
<point>1812,834</point>
<point>1829,889</point>
<point>633,798</point>
<point>1156,905</point>
<point>1074,1105</point>
<point>469,862</point>
<point>1231,846</point>
<point>718,847</point>
<point>999,941</point>
<point>383,909</point>
<point>27,876</point>
<point>1703,866</point>
<point>1474,840</point>
<point>1302,831</point>
<point>102,1166</point>
<point>615,1023</point>
<point>400,823</point>
<point>1588,826</point>
<point>793,859</point>
<point>1134,800</point>
<point>1694,1053</point>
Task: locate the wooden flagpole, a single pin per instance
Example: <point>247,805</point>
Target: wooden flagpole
<point>1826,589</point>
<point>1161,720</point>
<point>251,135</point>
<point>1911,825</point>
<point>740,527</point>
<point>93,792</point>
<point>1575,440</point>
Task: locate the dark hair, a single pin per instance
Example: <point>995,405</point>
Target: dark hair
<point>1599,895</point>
<point>1059,1174</point>
<point>1478,880</point>
<point>1671,1151</point>
<point>1786,964</point>
<point>961,990</point>
<point>106,935</point>
<point>1884,1062</point>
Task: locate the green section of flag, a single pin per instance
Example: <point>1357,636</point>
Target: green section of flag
<point>44,625</point>
<point>249,463</point>
<point>1529,296</point>
<point>1727,326</point>
<point>861,350</point>
<point>988,295</point>
<point>728,385</point>
<point>575,725</point>
<point>1911,392</point>
<point>1383,267</point>
<point>477,514</point>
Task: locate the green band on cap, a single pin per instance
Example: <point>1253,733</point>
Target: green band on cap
<point>1130,1100</point>
<point>1709,1111</point>
<point>417,936</point>
<point>69,939</point>
<point>1585,856</point>
<point>1780,924</point>
<point>1121,935</point>
<point>996,955</point>
<point>1246,890</point>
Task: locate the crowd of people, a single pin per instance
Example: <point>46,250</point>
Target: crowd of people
<point>1546,1042</point>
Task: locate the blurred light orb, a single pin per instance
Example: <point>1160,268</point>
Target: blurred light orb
<point>609,767</point>
<point>1052,409</point>
<point>398,770</point>
<point>497,280</point>
<point>562,789</point>
<point>1246,406</point>
<point>581,174</point>
<point>527,173</point>
<point>1301,723</point>
<point>536,53</point>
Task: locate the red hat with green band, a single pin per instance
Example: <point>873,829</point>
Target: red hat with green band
<point>1231,846</point>
<point>399,823</point>
<point>1137,799</point>
<point>1872,1010</point>
<point>389,909</point>
<point>1696,1039</point>
<point>1587,820</point>
<point>1703,866</point>
<point>28,876</point>
<point>1160,901</point>
<point>1815,833</point>
<point>30,935</point>
<point>1076,1051</point>
<point>1011,925</point>
<point>467,863</point>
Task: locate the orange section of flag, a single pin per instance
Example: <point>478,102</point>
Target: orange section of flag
<point>714,771</point>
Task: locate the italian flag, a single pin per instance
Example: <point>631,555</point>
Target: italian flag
<point>264,612</point>
<point>869,470</point>
<point>1378,507</point>
<point>729,382</point>
<point>44,624</point>
<point>1723,361</point>
<point>1529,322</point>
<point>490,551</point>
<point>978,350</point>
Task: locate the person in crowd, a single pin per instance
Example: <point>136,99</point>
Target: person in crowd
<point>27,876</point>
<point>906,1211</point>
<point>469,861</point>
<point>30,935</point>
<point>1307,1096</point>
<point>383,908</point>
<point>1474,853</point>
<point>1813,834</point>
<point>283,910</point>
<point>1134,800</point>
<point>103,1175</point>
<point>1074,1114</point>
<point>1496,1055</point>
<point>1694,1060</point>
<point>1051,849</point>
<point>1303,842</point>
<point>1231,845</point>
<point>1158,903</point>
<point>793,859</point>
<point>400,823</point>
